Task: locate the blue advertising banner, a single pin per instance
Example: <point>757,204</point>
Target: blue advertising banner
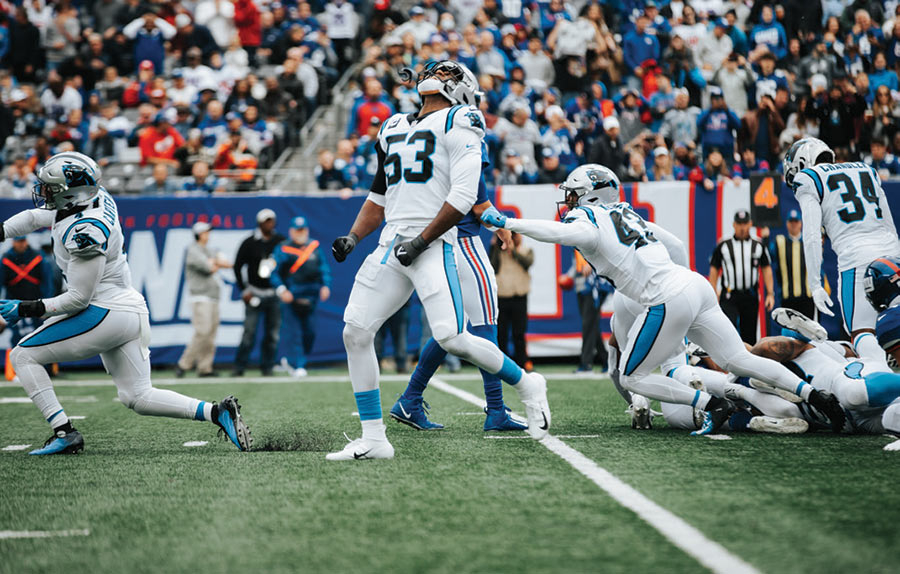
<point>157,233</point>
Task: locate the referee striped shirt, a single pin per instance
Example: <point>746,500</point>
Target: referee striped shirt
<point>739,261</point>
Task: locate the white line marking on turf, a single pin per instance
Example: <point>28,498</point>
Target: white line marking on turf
<point>677,531</point>
<point>42,533</point>
<point>251,380</point>
<point>717,436</point>
<point>558,436</point>
<point>471,414</point>
<point>354,414</point>
<point>22,400</point>
<point>15,447</point>
<point>191,443</point>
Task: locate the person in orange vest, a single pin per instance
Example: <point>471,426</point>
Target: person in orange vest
<point>301,279</point>
<point>23,275</point>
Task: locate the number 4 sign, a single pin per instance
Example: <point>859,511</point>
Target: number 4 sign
<point>765,199</point>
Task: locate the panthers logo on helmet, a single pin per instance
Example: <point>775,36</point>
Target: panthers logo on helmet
<point>77,176</point>
<point>600,179</point>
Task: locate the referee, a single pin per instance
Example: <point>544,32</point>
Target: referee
<point>737,261</point>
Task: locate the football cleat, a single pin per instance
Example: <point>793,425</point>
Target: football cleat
<point>363,449</point>
<point>227,416</point>
<point>299,373</point>
<point>501,420</point>
<point>717,413</point>
<point>532,389</point>
<point>413,412</point>
<point>830,407</point>
<point>641,417</point>
<point>62,443</point>
<point>775,425</point>
<point>796,321</point>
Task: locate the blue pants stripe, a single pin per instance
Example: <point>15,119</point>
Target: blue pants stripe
<point>848,286</point>
<point>68,328</point>
<point>646,338</point>
<point>455,290</point>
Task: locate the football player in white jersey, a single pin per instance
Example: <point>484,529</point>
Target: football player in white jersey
<point>677,302</point>
<point>99,314</point>
<point>428,172</point>
<point>847,199</point>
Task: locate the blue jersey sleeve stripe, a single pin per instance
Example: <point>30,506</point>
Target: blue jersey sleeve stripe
<point>450,115</point>
<point>817,180</point>
<point>96,222</point>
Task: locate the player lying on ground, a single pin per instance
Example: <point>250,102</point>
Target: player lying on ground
<point>847,199</point>
<point>99,314</point>
<point>677,302</point>
<point>429,167</point>
<point>479,294</point>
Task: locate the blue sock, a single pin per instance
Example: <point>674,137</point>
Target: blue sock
<point>368,403</point>
<point>510,372</point>
<point>430,359</point>
<point>493,389</point>
<point>198,416</point>
<point>740,421</point>
<point>882,388</point>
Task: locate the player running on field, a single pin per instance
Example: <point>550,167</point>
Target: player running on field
<point>99,314</point>
<point>429,166</point>
<point>677,302</point>
<point>479,294</point>
<point>847,199</point>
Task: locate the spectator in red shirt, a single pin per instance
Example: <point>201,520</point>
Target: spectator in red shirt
<point>373,104</point>
<point>159,142</point>
<point>246,18</point>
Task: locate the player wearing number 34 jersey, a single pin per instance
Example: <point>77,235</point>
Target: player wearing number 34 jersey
<point>847,199</point>
<point>677,302</point>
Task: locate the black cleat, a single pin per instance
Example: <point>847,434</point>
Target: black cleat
<point>829,405</point>
<point>227,416</point>
<point>62,443</point>
<point>718,412</point>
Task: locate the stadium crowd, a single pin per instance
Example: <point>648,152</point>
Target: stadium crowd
<point>164,91</point>
<point>656,90</point>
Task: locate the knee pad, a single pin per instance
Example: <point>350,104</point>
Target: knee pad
<point>455,344</point>
<point>19,358</point>
<point>855,396</point>
<point>127,398</point>
<point>357,338</point>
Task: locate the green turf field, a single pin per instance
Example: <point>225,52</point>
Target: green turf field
<point>451,501</point>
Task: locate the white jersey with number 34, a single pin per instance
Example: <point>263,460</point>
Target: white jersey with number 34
<point>855,212</point>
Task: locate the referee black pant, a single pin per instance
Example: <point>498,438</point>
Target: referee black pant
<point>742,309</point>
<point>512,315</point>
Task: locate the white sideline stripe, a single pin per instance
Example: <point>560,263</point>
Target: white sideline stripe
<point>677,531</point>
<point>558,436</point>
<point>192,443</point>
<point>77,418</point>
<point>251,380</point>
<point>42,533</point>
<point>15,447</point>
<point>23,400</point>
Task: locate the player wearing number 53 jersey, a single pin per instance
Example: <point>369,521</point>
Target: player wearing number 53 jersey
<point>677,302</point>
<point>99,314</point>
<point>847,199</point>
<point>428,177</point>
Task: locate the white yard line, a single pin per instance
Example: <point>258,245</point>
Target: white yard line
<point>26,400</point>
<point>258,380</point>
<point>708,553</point>
<point>15,447</point>
<point>194,443</point>
<point>42,533</point>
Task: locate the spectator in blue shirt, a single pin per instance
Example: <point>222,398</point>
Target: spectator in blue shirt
<point>769,35</point>
<point>887,164</point>
<point>639,46</point>
<point>738,37</point>
<point>881,75</point>
<point>150,34</point>
<point>716,126</point>
<point>559,137</point>
<point>769,79</point>
<point>202,180</point>
<point>213,125</point>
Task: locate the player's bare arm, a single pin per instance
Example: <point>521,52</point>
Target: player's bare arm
<point>780,349</point>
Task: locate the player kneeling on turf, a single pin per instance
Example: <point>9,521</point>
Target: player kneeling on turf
<point>100,314</point>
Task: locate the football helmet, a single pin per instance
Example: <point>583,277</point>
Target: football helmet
<point>590,184</point>
<point>805,153</point>
<point>882,282</point>
<point>450,79</point>
<point>67,179</point>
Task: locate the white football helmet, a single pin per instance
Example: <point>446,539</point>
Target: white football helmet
<point>805,153</point>
<point>591,184</point>
<point>66,180</point>
<point>450,79</point>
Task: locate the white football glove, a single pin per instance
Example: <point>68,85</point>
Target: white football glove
<point>822,301</point>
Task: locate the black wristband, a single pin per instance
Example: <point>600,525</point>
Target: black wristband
<point>32,308</point>
<point>419,243</point>
<point>353,236</point>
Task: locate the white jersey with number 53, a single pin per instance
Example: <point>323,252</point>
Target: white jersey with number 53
<point>855,212</point>
<point>628,254</point>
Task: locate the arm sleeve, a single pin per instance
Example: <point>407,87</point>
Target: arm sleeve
<point>716,259</point>
<point>379,184</point>
<point>27,221</point>
<point>812,238</point>
<point>764,259</point>
<point>168,30</point>
<point>677,251</point>
<point>131,29</point>
<point>83,276</point>
<point>577,233</point>
<point>240,260</point>
<point>464,148</point>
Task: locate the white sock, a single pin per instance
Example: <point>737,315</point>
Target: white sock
<point>207,411</point>
<point>374,429</point>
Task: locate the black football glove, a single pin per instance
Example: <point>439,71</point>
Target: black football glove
<point>407,251</point>
<point>343,245</point>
